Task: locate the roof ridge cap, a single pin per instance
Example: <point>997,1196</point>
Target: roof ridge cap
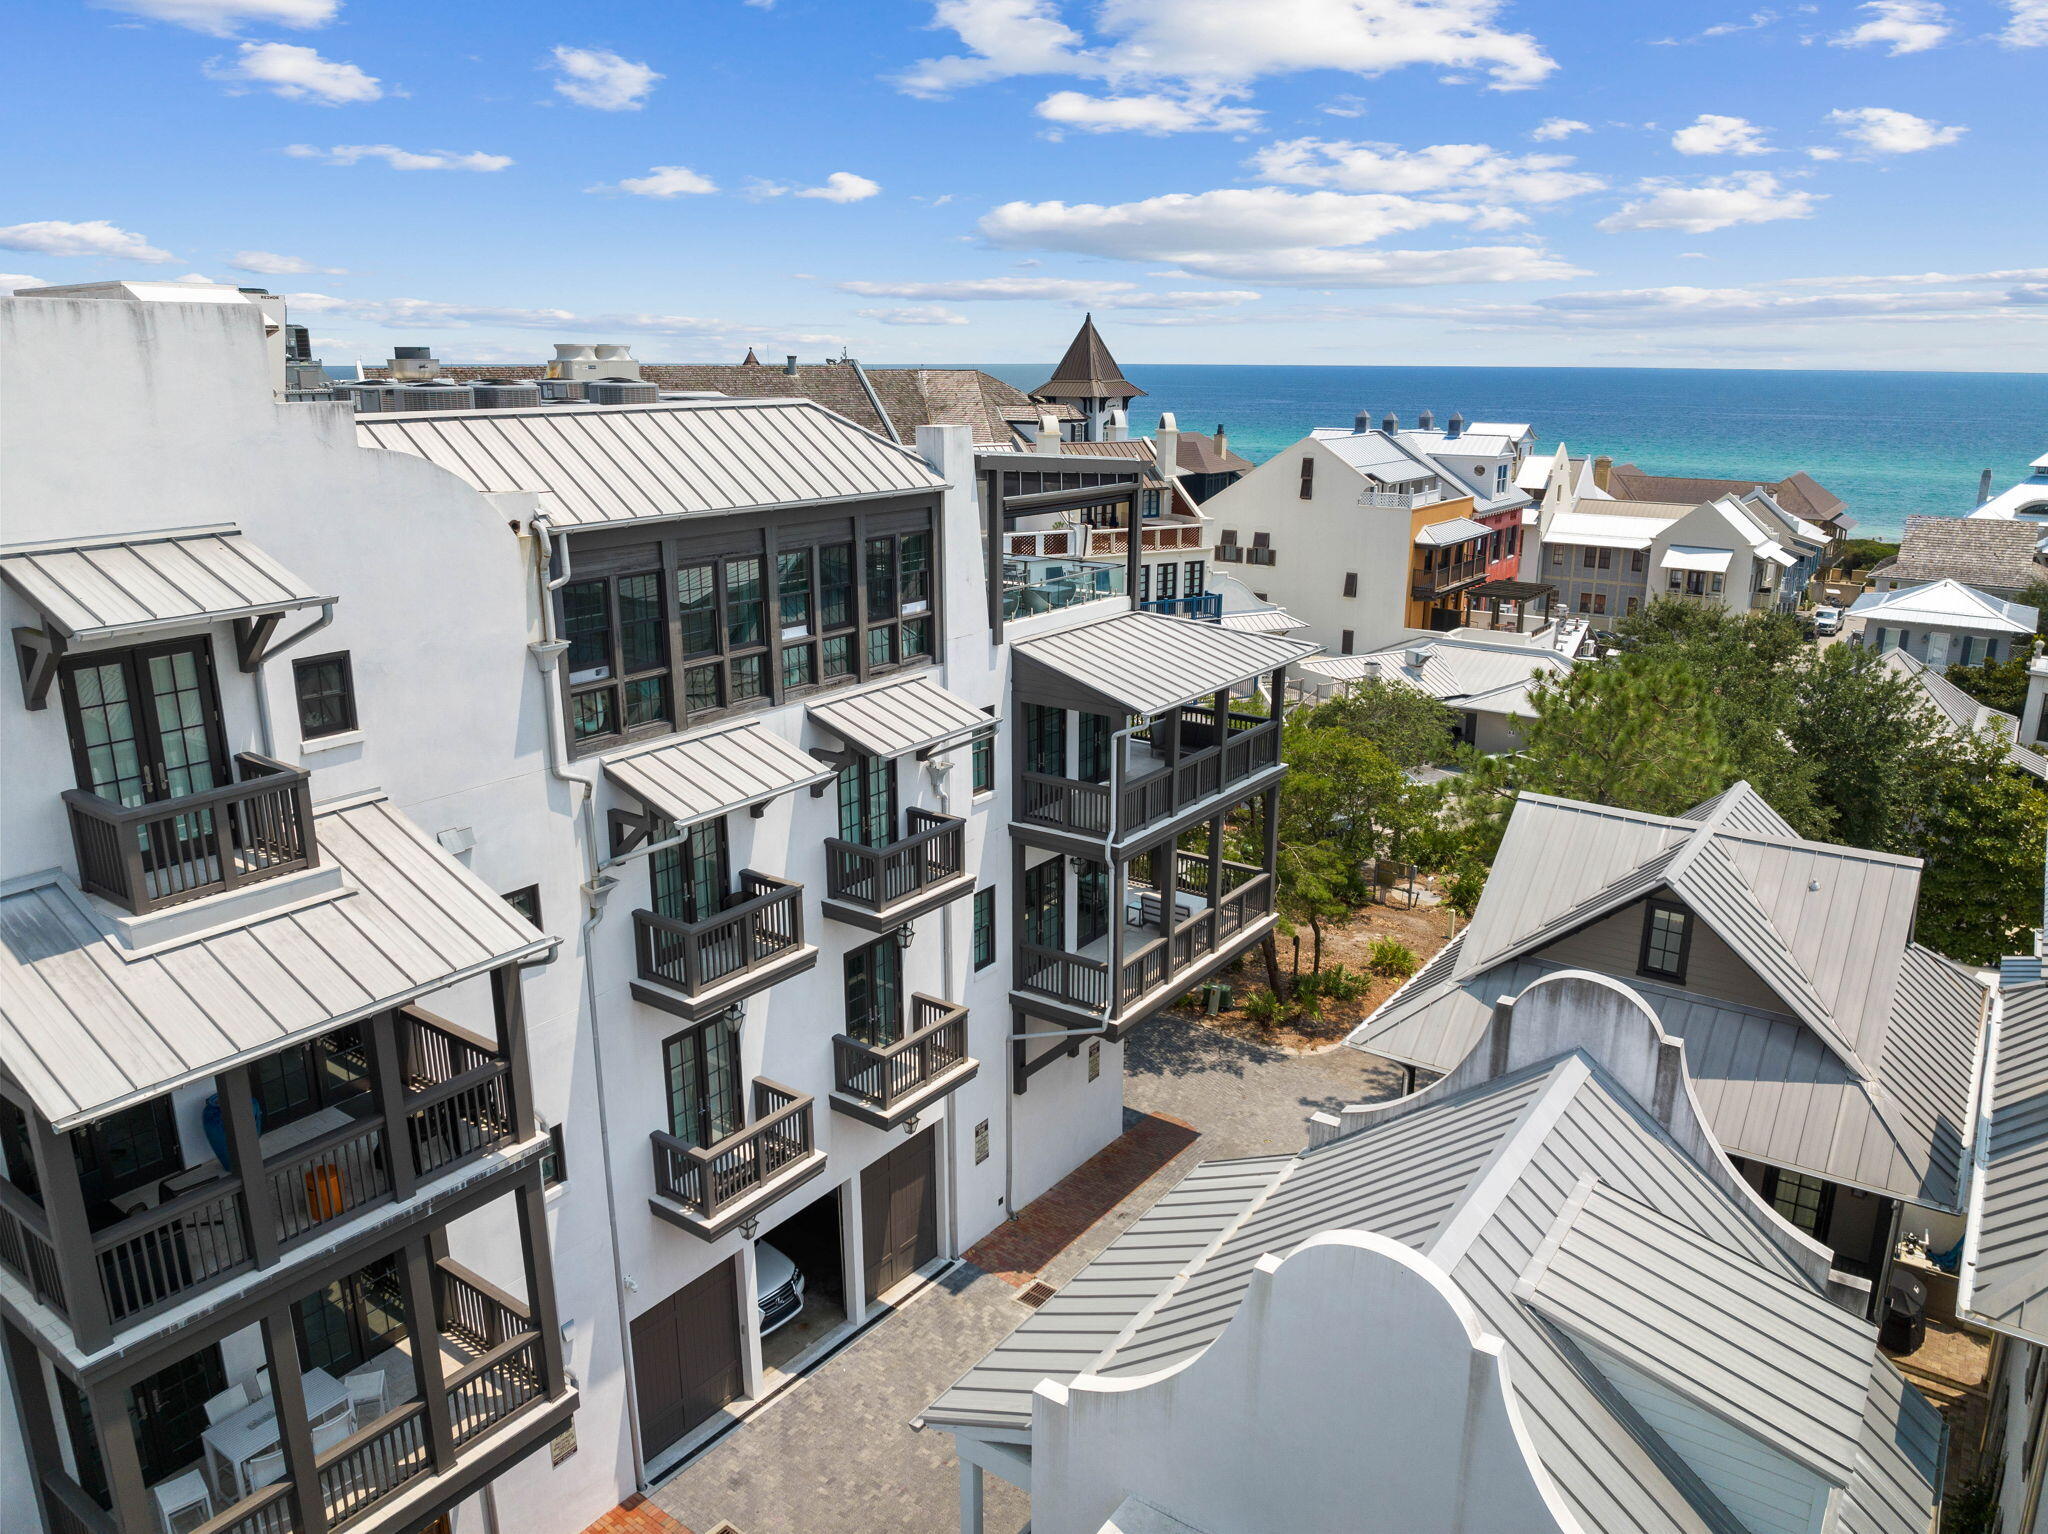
<point>1508,1161</point>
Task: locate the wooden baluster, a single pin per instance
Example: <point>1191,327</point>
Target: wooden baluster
<point>416,1264</point>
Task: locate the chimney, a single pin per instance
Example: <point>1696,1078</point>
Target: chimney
<point>1983,487</point>
<point>1455,426</point>
<point>1116,427</point>
<point>1418,658</point>
<point>1602,467</point>
<point>1222,442</point>
<point>1048,432</point>
<point>1361,423</point>
<point>1426,421</point>
<point>1390,424</point>
<point>789,364</point>
<point>1166,448</point>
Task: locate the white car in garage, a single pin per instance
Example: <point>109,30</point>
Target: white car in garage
<point>778,1287</point>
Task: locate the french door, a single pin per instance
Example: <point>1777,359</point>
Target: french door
<point>145,723</point>
<point>703,1076</point>
<point>690,879</point>
<point>874,992</point>
<point>1045,913</point>
<point>867,801</point>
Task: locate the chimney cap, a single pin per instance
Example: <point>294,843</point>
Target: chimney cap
<point>1390,423</point>
<point>789,363</point>
<point>1426,420</point>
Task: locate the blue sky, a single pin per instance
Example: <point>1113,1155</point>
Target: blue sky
<point>1286,181</point>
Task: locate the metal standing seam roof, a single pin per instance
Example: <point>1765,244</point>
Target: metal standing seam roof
<point>1456,672</point>
<point>87,1027</point>
<point>2005,1256</point>
<point>899,716</point>
<point>1476,1181</point>
<point>715,773</point>
<point>1265,620</point>
<point>97,588</point>
<point>1962,712</point>
<point>1945,604</point>
<point>1455,530</point>
<point>600,464</point>
<point>1146,662</point>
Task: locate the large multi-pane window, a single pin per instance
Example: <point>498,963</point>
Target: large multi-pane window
<point>1097,730</point>
<point>1806,1202</point>
<point>702,1074</point>
<point>1045,740</point>
<point>1667,937</point>
<point>1045,914</point>
<point>322,1073</point>
<point>867,801</point>
<point>684,632</point>
<point>984,927</point>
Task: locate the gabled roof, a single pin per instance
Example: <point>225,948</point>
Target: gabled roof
<point>1463,673</point>
<point>1977,551</point>
<point>600,464</point>
<point>1963,712</point>
<point>1145,662</point>
<point>130,583</point>
<point>1798,493</point>
<point>1586,1231</point>
<point>1087,371</point>
<point>1945,604</point>
<point>2004,1277</point>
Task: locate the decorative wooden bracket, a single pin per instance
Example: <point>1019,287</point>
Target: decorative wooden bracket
<point>630,830</point>
<point>252,638</point>
<point>38,651</point>
<point>838,761</point>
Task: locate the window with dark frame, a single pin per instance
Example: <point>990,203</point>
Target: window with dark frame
<point>554,1161</point>
<point>1194,578</point>
<point>981,760</point>
<point>1806,1202</point>
<point>527,903</point>
<point>1345,643</point>
<point>1308,478</point>
<point>1351,584</point>
<point>702,1076</point>
<point>326,691</point>
<point>1045,740</point>
<point>984,927</point>
<point>1667,940</point>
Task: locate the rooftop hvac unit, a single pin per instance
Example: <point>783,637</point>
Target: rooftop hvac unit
<point>370,395</point>
<point>622,391</point>
<point>504,393</point>
<point>563,389</point>
<point>436,396</point>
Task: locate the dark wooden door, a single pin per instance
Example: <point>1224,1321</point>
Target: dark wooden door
<point>686,1357</point>
<point>899,1205</point>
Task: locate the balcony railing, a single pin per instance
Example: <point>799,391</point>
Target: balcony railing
<point>1206,605</point>
<point>1207,766</point>
<point>707,1179</point>
<point>1066,977</point>
<point>1446,578</point>
<point>765,921</point>
<point>882,1077</point>
<point>149,856</point>
<point>1102,542</point>
<point>25,1247</point>
<point>931,852</point>
<point>1403,500</point>
<point>1032,586</point>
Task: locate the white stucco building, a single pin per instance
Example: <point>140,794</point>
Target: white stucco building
<point>1944,623</point>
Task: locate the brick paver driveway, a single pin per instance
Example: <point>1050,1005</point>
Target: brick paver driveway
<point>835,1453</point>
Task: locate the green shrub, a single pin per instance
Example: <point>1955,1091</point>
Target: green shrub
<point>1308,1003</point>
<point>1391,957</point>
<point>1264,1008</point>
<point>1341,984</point>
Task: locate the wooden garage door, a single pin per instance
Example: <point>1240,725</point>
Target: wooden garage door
<point>899,1205</point>
<point>686,1357</point>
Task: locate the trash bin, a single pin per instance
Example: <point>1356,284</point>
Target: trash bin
<point>1903,1326</point>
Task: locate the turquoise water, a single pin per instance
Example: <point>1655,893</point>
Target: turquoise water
<point>1889,444</point>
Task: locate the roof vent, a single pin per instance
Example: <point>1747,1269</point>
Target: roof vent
<point>504,393</point>
<point>1418,658</point>
<point>1361,422</point>
<point>622,391</point>
<point>789,364</point>
<point>574,351</point>
<point>614,354</point>
<point>1390,424</point>
<point>1427,420</point>
<point>558,390</point>
<point>1455,425</point>
<point>436,396</point>
<point>1037,1294</point>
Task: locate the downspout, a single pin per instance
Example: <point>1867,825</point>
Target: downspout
<point>547,655</point>
<point>264,727</point>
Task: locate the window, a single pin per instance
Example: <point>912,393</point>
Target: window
<point>1091,903</point>
<point>1045,740</point>
<point>1308,478</point>
<point>1599,601</point>
<point>1667,936</point>
<point>618,655</point>
<point>689,879</point>
<point>867,801</point>
<point>981,759</point>
<point>1227,550</point>
<point>125,1151</point>
<point>554,1161</point>
<point>1344,643</point>
<point>1150,502</point>
<point>1804,1201</point>
<point>1168,584</point>
<point>701,1071</point>
<point>1097,730</point>
<point>1351,584</point>
<point>321,1073</point>
<point>1556,557</point>
<point>1261,551</point>
<point>326,692</point>
<point>1585,602</point>
<point>1195,577</point>
<point>874,992</point>
<point>1633,604</point>
<point>527,903</point>
<point>1500,479</point>
<point>1144,583</point>
<point>1636,560</point>
<point>984,928</point>
<point>1717,585</point>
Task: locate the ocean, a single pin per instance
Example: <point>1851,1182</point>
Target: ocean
<point>1889,444</point>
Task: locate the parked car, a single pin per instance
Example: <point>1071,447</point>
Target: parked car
<point>778,1287</point>
<point>1827,620</point>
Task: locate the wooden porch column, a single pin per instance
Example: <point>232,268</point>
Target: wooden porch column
<point>530,1198</point>
<point>120,1458</point>
<point>508,1004</point>
<point>70,1233</point>
<point>993,493</point>
<point>295,1433</point>
<point>32,1411</point>
<point>387,1072</point>
<point>1119,892</point>
<point>1216,860</point>
<point>245,1148</point>
<point>970,1498</point>
<point>423,1326</point>
<point>1271,810</point>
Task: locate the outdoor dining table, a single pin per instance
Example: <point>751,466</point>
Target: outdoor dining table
<point>233,1441</point>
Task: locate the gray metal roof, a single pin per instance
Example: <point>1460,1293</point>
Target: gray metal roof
<point>1461,672</point>
<point>97,588</point>
<point>1146,662</point>
<point>597,464</point>
<point>899,716</point>
<point>1454,530</point>
<point>2005,1259</point>
<point>1963,713</point>
<point>1477,1179</point>
<point>714,773</point>
<point>87,1027</point>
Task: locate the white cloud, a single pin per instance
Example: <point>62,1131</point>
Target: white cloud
<point>268,263</point>
<point>223,18</point>
<point>1822,152</point>
<point>2029,25</point>
<point>1552,129</point>
<point>842,186</point>
<point>1881,130</point>
<point>95,237</point>
<point>1900,26</point>
<point>401,159</point>
<point>9,281</point>
<point>599,78</point>
<point>1153,112</point>
<point>1756,21</point>
<point>662,181</point>
<point>1712,133</point>
<point>1225,44</point>
<point>1753,197</point>
<point>914,314</point>
<point>1066,290</point>
<point>296,73</point>
<point>1679,307</point>
<point>1452,170</point>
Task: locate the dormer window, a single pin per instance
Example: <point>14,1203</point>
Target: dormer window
<point>1667,938</point>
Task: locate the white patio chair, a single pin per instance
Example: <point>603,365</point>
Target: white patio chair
<point>226,1404</point>
<point>183,1503</point>
<point>366,1402</point>
<point>262,1469</point>
<point>327,1434</point>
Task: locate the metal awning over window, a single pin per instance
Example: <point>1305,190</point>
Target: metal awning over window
<point>1777,555</point>
<point>1684,557</point>
<point>1456,530</point>
<point>915,714</point>
<point>1143,663</point>
<point>107,588</point>
<point>691,780</point>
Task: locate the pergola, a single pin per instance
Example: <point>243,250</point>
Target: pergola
<point>1522,600</point>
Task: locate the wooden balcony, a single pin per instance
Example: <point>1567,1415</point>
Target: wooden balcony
<point>882,887</point>
<point>886,1085</point>
<point>1207,606</point>
<point>708,1189</point>
<point>1443,580</point>
<point>1180,762</point>
<point>1162,534</point>
<point>697,969</point>
<point>149,856</point>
